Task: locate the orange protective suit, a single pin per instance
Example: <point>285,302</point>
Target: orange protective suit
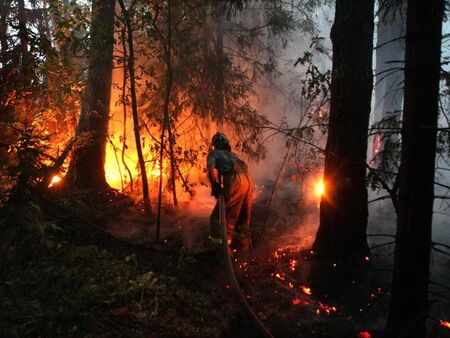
<point>225,166</point>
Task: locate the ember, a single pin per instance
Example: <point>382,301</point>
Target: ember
<point>280,276</point>
<point>364,334</point>
<point>296,301</point>
<point>292,264</point>
<point>325,308</point>
<point>306,290</point>
<point>55,180</point>
<point>445,324</point>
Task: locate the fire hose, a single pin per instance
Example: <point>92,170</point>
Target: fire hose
<point>232,276</point>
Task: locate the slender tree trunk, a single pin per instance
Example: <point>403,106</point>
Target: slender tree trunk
<point>23,36</point>
<point>124,102</point>
<point>166,118</point>
<point>145,190</point>
<point>390,58</point>
<point>409,301</point>
<point>87,168</point>
<point>172,165</point>
<point>219,106</point>
<point>343,208</point>
<point>4,39</point>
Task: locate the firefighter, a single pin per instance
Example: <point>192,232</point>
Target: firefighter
<point>227,173</point>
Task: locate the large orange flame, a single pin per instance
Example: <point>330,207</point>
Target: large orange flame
<point>320,188</point>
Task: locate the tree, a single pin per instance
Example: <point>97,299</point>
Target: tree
<point>86,169</point>
<point>409,300</point>
<point>343,208</point>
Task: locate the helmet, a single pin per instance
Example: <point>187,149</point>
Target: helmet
<point>219,139</point>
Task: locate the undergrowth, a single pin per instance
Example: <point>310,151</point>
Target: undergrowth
<point>61,275</point>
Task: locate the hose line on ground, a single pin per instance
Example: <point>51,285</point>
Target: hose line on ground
<point>232,276</point>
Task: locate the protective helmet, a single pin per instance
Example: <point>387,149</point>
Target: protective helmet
<point>219,139</point>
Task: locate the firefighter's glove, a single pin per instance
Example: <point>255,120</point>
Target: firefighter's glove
<point>216,189</point>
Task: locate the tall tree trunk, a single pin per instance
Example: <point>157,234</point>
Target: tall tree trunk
<point>23,36</point>
<point>173,164</point>
<point>390,57</point>
<point>87,168</point>
<point>219,106</point>
<point>409,301</point>
<point>166,118</point>
<point>4,10</point>
<point>343,208</point>
<point>124,103</point>
<point>145,189</point>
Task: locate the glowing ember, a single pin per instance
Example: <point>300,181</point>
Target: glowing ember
<point>296,301</point>
<point>306,290</point>
<point>326,309</point>
<point>55,180</point>
<point>364,334</point>
<point>280,276</point>
<point>445,324</point>
<point>291,286</point>
<point>276,255</point>
<point>320,188</point>
<point>292,264</point>
<point>367,258</point>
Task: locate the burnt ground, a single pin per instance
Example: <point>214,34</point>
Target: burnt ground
<point>294,294</point>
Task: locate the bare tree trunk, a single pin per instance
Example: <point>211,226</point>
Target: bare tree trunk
<point>219,106</point>
<point>23,36</point>
<point>4,38</point>
<point>145,190</point>
<point>124,102</point>
<point>87,168</point>
<point>390,57</point>
<point>166,119</point>
<point>389,72</point>
<point>409,301</point>
<point>172,165</point>
<point>343,208</point>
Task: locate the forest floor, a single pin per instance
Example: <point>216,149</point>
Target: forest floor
<point>89,266</point>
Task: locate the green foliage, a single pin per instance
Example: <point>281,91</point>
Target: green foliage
<point>64,277</point>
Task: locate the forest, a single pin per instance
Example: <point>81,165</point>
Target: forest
<point>227,168</point>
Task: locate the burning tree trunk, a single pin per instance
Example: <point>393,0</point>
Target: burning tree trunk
<point>409,302</point>
<point>87,168</point>
<point>343,209</point>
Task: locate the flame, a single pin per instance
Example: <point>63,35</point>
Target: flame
<point>306,290</point>
<point>55,180</point>
<point>445,324</point>
<point>296,301</point>
<point>364,334</point>
<point>320,188</point>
